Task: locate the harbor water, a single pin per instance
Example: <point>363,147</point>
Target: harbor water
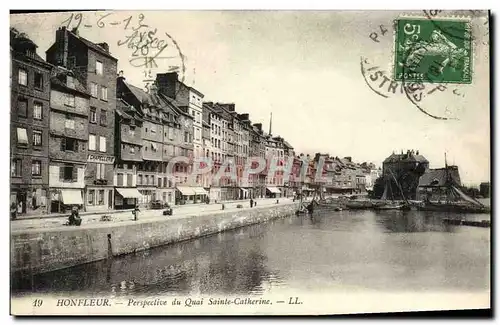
<point>348,250</point>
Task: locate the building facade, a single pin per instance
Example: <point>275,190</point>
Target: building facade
<point>96,68</point>
<point>29,118</point>
<point>68,140</point>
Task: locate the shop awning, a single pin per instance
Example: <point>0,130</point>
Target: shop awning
<point>273,190</point>
<point>129,193</point>
<point>186,190</point>
<point>244,190</point>
<point>71,197</point>
<point>200,191</point>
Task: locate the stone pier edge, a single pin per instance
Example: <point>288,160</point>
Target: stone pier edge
<point>45,250</point>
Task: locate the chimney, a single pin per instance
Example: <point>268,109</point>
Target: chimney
<point>61,47</point>
<point>168,83</point>
<point>348,159</point>
<point>417,152</point>
<point>104,46</point>
<point>258,126</point>
<point>210,104</point>
<point>245,116</point>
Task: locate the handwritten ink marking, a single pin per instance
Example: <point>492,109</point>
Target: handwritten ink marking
<point>115,23</point>
<point>100,22</point>
<point>78,18</point>
<point>88,26</point>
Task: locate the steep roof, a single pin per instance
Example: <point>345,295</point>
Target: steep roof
<point>405,157</point>
<point>60,80</point>
<point>437,177</point>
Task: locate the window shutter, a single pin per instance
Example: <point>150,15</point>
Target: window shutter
<point>63,144</point>
<point>103,171</point>
<point>75,174</point>
<point>75,146</point>
<point>61,173</point>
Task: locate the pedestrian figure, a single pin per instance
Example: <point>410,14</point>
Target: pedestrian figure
<point>13,211</point>
<point>255,203</point>
<point>251,203</point>
<point>74,218</point>
<point>223,207</point>
<point>135,212</point>
<point>277,201</point>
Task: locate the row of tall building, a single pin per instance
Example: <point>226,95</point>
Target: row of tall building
<point>81,134</point>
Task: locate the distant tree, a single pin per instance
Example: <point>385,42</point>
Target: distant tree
<point>378,188</point>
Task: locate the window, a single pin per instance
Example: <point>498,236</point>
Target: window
<point>91,197</point>
<point>104,93</point>
<point>93,89</point>
<point>23,77</point>
<point>93,115</point>
<point>37,138</point>
<point>100,199</point>
<point>159,181</point>
<point>139,179</point>
<point>100,171</point>
<point>186,136</point>
<point>69,123</point>
<point>22,107</point>
<point>102,144</point>
<point>38,80</point>
<point>70,82</point>
<point>68,173</point>
<point>129,180</point>
<point>131,130</point>
<point>70,100</point>
<point>92,142</point>
<point>102,118</point>
<point>153,129</point>
<point>69,144</point>
<point>132,149</point>
<point>16,168</point>
<point>36,168</point>
<point>119,179</point>
<point>98,67</point>
<point>22,137</point>
<point>37,111</point>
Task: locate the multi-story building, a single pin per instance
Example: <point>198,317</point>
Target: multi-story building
<point>96,68</point>
<point>229,186</point>
<point>69,141</point>
<point>188,102</point>
<point>128,151</point>
<point>436,184</point>
<point>401,173</point>
<point>216,147</point>
<point>259,150</point>
<point>29,118</point>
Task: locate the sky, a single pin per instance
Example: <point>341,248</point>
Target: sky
<point>305,68</point>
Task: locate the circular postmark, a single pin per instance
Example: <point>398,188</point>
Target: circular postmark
<point>431,69</point>
<point>152,50</point>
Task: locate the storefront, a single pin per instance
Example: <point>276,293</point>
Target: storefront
<point>215,194</point>
<point>30,200</point>
<point>62,200</point>
<point>167,196</point>
<point>148,194</point>
<point>243,195</point>
<point>99,192</point>
<point>184,195</point>
<point>273,192</point>
<point>126,198</point>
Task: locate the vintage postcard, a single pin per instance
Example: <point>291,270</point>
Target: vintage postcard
<point>249,162</point>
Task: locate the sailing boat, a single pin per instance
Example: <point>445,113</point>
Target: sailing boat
<point>393,205</point>
<point>456,200</point>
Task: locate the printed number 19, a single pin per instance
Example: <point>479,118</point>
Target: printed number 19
<point>37,302</point>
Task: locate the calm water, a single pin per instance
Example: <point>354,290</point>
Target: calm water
<point>365,250</point>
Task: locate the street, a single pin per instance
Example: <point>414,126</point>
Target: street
<point>178,211</point>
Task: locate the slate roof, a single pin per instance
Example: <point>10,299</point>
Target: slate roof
<point>437,177</point>
<point>60,80</point>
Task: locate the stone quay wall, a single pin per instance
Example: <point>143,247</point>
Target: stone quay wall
<point>37,251</point>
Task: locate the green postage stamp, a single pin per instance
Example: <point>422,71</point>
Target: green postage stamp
<point>437,51</point>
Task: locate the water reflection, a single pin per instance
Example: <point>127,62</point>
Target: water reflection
<point>386,250</point>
